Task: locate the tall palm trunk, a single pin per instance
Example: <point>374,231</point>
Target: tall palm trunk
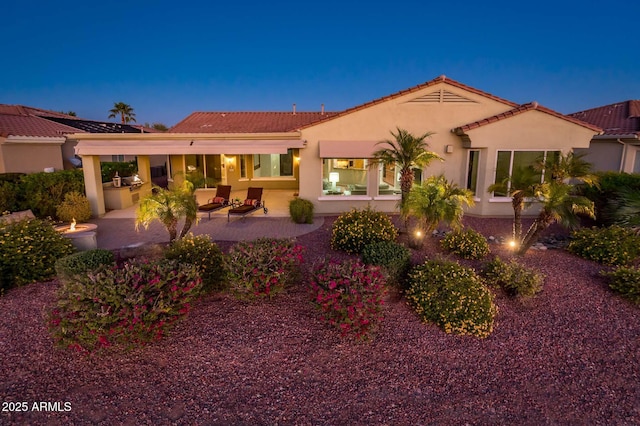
<point>518,205</point>
<point>538,226</point>
<point>172,227</point>
<point>188,222</point>
<point>406,182</point>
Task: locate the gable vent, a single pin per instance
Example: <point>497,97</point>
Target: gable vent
<point>440,97</point>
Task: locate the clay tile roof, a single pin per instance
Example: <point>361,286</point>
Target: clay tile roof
<point>18,120</point>
<point>519,110</point>
<point>622,118</point>
<point>247,122</point>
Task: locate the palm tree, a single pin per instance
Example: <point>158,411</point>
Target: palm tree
<point>571,166</point>
<point>522,185</point>
<point>439,200</point>
<point>559,205</point>
<point>169,206</point>
<point>124,111</point>
<point>407,152</point>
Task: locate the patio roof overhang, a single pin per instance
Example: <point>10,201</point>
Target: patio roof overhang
<point>183,144</point>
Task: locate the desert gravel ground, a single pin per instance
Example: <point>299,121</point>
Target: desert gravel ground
<point>569,356</point>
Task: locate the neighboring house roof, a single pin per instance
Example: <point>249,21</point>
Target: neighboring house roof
<point>20,120</point>
<point>247,122</point>
<point>91,126</point>
<point>519,110</point>
<point>17,120</point>
<point>622,118</point>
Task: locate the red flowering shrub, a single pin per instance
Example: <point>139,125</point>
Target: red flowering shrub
<point>132,304</point>
<point>350,296</point>
<point>263,267</point>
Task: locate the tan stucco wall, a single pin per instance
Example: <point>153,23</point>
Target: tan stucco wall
<point>532,130</point>
<point>29,157</point>
<point>604,155</point>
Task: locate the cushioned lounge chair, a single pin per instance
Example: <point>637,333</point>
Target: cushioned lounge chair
<point>251,204</point>
<point>220,201</point>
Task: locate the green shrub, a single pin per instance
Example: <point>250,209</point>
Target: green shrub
<point>10,192</point>
<point>29,250</point>
<point>75,206</point>
<point>83,262</point>
<point>43,192</point>
<point>263,267</point>
<point>123,168</point>
<point>453,297</point>
<point>514,278</point>
<point>349,295</point>
<point>626,281</point>
<point>466,243</point>
<point>8,197</point>
<point>133,304</point>
<point>611,246</point>
<point>301,210</point>
<point>205,255</point>
<point>353,230</point>
<point>606,195</point>
<point>394,258</point>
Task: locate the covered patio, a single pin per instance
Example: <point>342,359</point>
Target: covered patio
<point>239,160</point>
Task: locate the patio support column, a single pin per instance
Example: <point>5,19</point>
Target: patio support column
<point>93,184</point>
<point>144,168</point>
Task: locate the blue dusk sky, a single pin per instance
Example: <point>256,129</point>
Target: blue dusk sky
<point>169,59</point>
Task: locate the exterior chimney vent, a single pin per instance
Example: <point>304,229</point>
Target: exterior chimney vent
<point>322,109</point>
<point>294,109</point>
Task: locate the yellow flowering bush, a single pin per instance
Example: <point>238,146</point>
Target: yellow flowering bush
<point>613,245</point>
<point>467,243</point>
<point>205,255</point>
<point>453,297</point>
<point>354,230</point>
<point>625,281</point>
<point>29,250</point>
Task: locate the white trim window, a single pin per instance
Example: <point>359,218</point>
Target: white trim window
<point>473,166</point>
<point>345,176</point>
<point>507,161</point>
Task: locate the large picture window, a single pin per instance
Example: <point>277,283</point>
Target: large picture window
<point>344,176</point>
<point>509,162</point>
<point>273,165</point>
<point>205,171</point>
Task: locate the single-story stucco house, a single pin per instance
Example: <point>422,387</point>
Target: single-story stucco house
<point>618,148</point>
<point>324,156</point>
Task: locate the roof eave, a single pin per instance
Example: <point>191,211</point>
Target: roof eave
<point>183,136</point>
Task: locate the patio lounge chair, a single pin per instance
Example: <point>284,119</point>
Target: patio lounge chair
<point>252,203</point>
<point>220,201</point>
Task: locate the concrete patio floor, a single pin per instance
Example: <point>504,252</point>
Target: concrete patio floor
<point>116,229</point>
